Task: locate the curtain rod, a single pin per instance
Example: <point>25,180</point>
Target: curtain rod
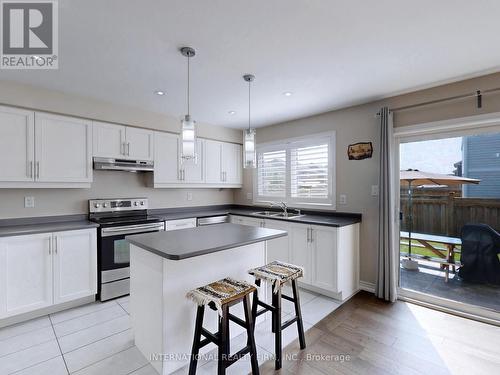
<point>478,95</point>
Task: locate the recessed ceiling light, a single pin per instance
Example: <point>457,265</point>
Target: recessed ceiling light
<point>159,92</point>
<point>287,93</point>
<point>232,113</point>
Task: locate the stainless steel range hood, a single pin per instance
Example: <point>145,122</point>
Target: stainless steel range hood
<point>111,164</point>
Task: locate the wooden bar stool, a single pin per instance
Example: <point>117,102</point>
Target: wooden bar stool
<point>278,273</point>
<point>220,295</point>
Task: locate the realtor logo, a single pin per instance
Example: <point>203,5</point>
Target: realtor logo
<point>29,34</point>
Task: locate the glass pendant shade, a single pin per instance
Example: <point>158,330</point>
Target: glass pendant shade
<point>188,140</point>
<point>249,154</point>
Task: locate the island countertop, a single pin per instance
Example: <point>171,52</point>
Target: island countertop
<point>192,242</point>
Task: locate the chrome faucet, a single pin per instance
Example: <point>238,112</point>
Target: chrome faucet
<point>282,205</point>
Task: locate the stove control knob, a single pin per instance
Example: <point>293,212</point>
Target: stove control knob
<point>142,203</point>
<point>136,203</point>
<point>105,205</point>
<point>97,205</point>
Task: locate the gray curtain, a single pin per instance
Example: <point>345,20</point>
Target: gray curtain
<point>387,256</point>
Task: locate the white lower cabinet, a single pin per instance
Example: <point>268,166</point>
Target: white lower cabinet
<point>41,270</point>
<point>329,255</point>
<point>75,260</point>
<point>25,273</point>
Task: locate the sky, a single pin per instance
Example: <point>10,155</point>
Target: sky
<point>437,156</point>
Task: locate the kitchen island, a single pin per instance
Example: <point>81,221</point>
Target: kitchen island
<point>164,266</point>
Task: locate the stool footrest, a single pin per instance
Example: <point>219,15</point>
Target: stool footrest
<point>289,322</point>
<point>210,336</point>
<point>266,306</point>
<point>234,357</point>
<point>237,320</point>
<point>288,298</point>
<point>260,312</point>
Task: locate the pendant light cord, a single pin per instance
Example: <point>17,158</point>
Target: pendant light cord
<point>249,103</point>
<point>189,57</point>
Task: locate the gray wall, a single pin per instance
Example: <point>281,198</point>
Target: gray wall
<point>106,184</point>
<point>358,123</point>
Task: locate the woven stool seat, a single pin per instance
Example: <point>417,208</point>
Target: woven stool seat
<point>221,292</point>
<point>278,273</point>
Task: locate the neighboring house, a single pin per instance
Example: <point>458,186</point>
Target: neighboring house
<point>481,160</point>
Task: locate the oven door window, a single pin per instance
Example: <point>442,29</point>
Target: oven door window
<point>114,253</point>
<point>121,252</point>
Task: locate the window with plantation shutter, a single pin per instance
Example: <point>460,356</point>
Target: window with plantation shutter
<point>309,172</point>
<point>271,166</point>
<point>298,171</point>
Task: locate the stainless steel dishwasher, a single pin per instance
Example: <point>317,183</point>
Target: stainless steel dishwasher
<point>213,220</point>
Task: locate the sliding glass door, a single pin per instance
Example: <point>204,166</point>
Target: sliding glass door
<point>449,203</point>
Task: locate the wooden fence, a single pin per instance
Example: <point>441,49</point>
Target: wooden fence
<point>446,215</point>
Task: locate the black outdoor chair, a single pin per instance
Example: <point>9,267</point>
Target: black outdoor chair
<point>479,256</point>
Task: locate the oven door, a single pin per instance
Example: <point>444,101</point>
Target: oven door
<point>114,252</point>
<point>114,258</point>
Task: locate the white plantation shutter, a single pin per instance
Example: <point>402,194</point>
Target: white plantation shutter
<point>298,171</point>
<point>271,167</point>
<point>309,177</point>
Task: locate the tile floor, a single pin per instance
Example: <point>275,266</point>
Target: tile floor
<point>97,339</point>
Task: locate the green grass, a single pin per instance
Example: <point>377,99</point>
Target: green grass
<point>415,249</point>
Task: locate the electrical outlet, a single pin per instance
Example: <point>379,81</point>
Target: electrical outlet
<point>249,196</point>
<point>29,202</point>
<point>343,198</point>
<point>189,196</point>
<point>374,190</point>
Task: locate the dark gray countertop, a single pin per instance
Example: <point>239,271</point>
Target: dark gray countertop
<point>192,242</point>
<point>18,229</point>
<point>332,219</point>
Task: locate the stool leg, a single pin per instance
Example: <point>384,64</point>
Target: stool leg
<point>196,341</point>
<point>223,351</point>
<point>298,313</point>
<point>250,325</point>
<point>273,303</point>
<point>277,328</point>
<point>255,300</point>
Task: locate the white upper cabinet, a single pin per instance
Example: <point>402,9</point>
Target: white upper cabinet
<point>213,162</point>
<point>63,149</point>
<point>25,273</point>
<point>193,172</point>
<point>44,150</point>
<point>17,132</point>
<point>108,140</point>
<point>75,260</point>
<point>139,143</point>
<point>166,159</point>
<point>232,163</point>
<point>122,142</point>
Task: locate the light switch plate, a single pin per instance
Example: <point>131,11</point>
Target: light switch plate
<point>342,199</point>
<point>29,202</point>
<point>374,190</point>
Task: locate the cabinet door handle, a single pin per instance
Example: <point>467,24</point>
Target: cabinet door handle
<point>308,235</point>
<point>311,231</point>
<point>122,148</point>
<point>37,170</point>
<point>128,148</point>
<point>55,244</point>
<point>31,169</point>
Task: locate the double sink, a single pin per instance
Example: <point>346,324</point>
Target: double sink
<point>281,215</point>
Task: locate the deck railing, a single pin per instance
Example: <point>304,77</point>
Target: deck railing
<point>447,214</point>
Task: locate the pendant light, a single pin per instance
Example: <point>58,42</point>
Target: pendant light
<point>188,128</point>
<point>249,154</point>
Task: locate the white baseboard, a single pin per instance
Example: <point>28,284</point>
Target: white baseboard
<point>366,286</point>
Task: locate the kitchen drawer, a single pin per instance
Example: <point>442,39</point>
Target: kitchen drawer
<point>180,224</point>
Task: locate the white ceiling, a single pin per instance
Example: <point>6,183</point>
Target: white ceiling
<point>329,53</point>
